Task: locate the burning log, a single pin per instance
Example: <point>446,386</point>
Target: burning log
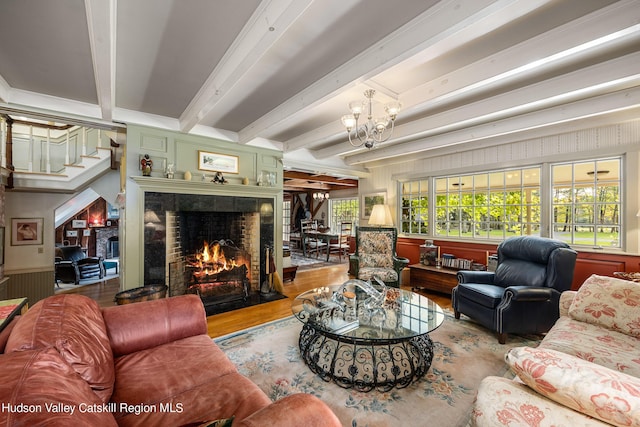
<point>215,274</point>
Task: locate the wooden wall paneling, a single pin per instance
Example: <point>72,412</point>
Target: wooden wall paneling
<point>587,267</point>
<point>588,263</point>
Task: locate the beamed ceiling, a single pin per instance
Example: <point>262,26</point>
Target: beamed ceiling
<point>281,73</point>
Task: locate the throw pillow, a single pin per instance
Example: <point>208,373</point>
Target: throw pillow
<point>602,393</point>
<point>608,302</point>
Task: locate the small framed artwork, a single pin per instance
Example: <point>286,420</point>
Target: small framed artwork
<point>72,233</point>
<point>214,162</point>
<point>86,232</point>
<point>79,223</point>
<point>112,211</point>
<point>369,200</point>
<point>26,231</point>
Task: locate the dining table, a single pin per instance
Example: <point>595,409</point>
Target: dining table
<point>326,236</point>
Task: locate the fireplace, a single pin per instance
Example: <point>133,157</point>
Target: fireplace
<point>218,273</point>
<point>211,245</point>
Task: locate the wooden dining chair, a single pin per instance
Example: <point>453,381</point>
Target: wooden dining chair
<point>341,247</point>
<point>311,243</point>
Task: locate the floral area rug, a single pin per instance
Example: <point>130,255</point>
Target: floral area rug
<point>464,353</point>
<point>310,262</point>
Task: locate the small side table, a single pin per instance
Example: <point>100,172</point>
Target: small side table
<point>426,277</point>
<point>10,308</point>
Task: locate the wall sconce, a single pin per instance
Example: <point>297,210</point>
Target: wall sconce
<point>321,196</point>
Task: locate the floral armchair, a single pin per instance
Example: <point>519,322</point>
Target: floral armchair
<point>375,255</point>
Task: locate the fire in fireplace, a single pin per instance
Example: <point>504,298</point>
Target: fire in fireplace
<point>219,272</point>
<point>229,267</point>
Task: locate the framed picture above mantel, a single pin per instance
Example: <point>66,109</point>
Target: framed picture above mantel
<point>214,162</point>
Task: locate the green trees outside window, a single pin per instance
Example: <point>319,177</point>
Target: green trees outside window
<point>343,210</point>
<point>587,203</point>
<point>585,200</point>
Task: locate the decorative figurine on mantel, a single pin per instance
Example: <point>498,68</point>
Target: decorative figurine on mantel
<point>170,171</point>
<point>146,164</point>
<point>218,178</point>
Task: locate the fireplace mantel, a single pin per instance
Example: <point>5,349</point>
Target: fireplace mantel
<point>166,185</point>
<point>209,197</point>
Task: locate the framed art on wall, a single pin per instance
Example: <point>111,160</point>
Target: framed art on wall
<point>369,200</point>
<point>214,162</point>
<point>79,223</point>
<point>26,231</point>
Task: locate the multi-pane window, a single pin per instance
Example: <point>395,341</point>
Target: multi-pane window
<point>415,207</point>
<point>584,197</point>
<point>489,205</point>
<point>587,202</point>
<point>343,210</point>
<point>286,220</point>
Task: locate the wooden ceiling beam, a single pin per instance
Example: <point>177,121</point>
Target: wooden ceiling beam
<point>323,179</point>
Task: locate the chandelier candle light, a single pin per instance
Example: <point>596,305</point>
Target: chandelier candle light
<point>374,130</point>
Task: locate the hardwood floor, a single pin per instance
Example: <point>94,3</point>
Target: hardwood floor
<point>225,323</point>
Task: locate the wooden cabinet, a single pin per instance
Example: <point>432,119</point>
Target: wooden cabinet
<point>433,279</point>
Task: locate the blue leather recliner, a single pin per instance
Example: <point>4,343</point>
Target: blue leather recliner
<point>522,295</point>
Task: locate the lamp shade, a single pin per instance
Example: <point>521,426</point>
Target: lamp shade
<point>380,215</point>
<point>150,217</point>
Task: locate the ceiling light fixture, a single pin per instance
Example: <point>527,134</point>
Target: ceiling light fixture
<point>374,130</point>
<point>321,196</point>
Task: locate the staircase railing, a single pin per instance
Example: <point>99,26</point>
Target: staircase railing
<point>52,152</point>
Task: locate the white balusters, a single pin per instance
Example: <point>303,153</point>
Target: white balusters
<point>84,141</point>
<point>66,154</point>
<point>30,150</point>
<point>48,150</point>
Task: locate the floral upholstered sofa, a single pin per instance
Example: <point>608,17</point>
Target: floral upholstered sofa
<point>586,370</point>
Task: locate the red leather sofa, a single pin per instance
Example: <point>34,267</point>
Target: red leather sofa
<point>68,362</point>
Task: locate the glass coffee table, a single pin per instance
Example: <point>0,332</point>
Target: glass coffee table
<point>364,340</point>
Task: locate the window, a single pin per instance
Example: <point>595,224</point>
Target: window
<point>584,199</point>
<point>487,205</point>
<point>490,205</point>
<point>286,220</point>
<point>343,210</point>
<point>415,207</point>
<point>586,203</point>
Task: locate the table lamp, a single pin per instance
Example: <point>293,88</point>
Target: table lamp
<point>381,216</point>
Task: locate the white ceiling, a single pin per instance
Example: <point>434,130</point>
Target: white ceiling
<point>280,73</point>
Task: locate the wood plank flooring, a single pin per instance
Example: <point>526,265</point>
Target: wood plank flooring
<point>225,323</point>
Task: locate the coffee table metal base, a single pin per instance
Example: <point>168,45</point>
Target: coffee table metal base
<point>366,365</point>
